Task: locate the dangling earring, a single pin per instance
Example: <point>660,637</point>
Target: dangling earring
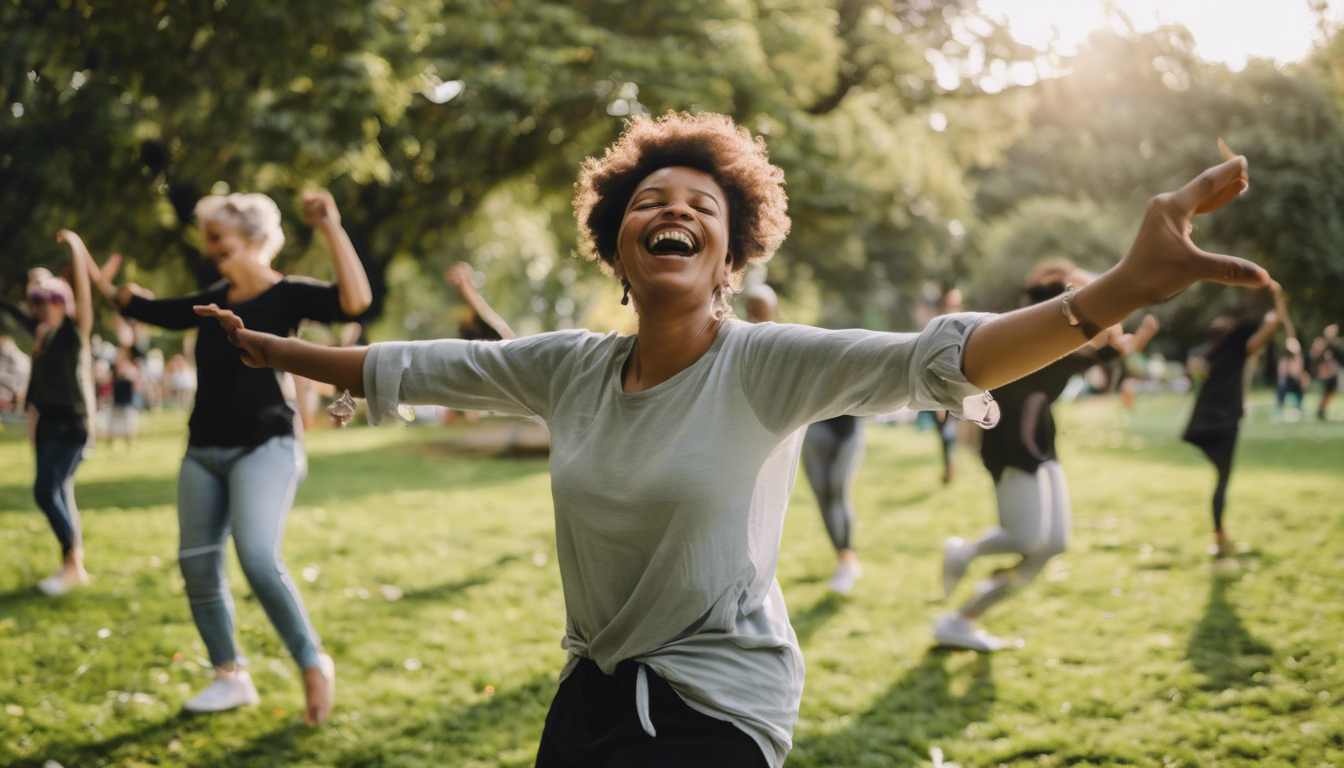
<point>625,297</point>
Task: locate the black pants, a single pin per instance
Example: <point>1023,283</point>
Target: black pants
<point>593,724</point>
<point>1219,447</point>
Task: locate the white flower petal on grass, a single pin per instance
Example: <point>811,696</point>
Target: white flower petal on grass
<point>412,664</point>
<point>104,633</point>
<point>311,572</point>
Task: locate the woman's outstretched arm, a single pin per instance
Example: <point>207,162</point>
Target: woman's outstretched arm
<point>1162,262</point>
<point>459,275</point>
<point>339,366</point>
<point>79,266</point>
<point>319,210</point>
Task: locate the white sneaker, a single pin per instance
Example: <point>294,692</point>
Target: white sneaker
<point>225,693</point>
<point>59,583</point>
<point>845,575</point>
<point>956,557</point>
<point>957,631</point>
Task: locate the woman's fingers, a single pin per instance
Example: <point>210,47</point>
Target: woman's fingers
<point>1230,270</point>
<point>1213,188</point>
<point>226,318</point>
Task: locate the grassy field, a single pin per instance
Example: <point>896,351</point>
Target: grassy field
<point>433,581</point>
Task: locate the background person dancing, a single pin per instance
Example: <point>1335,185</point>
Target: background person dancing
<point>1029,487</point>
<point>1216,420</point>
<point>675,450</point>
<point>60,402</point>
<point>245,459</point>
<point>831,456</point>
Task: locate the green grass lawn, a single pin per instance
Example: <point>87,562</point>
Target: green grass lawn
<point>433,582</point>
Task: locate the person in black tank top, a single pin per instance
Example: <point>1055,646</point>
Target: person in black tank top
<point>60,402</point>
<point>244,456</point>
<point>1034,507</point>
<point>1229,343</point>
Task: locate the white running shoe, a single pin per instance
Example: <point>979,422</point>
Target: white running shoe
<point>956,557</point>
<point>225,693</point>
<point>845,575</point>
<point>60,582</point>
<point>957,631</point>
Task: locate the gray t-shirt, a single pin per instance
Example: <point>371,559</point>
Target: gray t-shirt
<point>669,503</point>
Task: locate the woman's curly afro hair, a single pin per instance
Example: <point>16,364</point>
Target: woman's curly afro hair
<point>709,142</point>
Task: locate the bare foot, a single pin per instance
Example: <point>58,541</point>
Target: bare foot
<point>319,686</point>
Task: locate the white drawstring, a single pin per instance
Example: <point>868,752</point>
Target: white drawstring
<point>642,701</point>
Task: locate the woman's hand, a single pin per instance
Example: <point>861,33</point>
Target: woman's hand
<point>1164,260</point>
<point>254,345</point>
<point>319,208</point>
<point>459,275</point>
<point>126,290</point>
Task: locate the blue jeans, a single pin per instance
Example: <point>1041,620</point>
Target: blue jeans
<point>246,492</point>
<point>60,445</point>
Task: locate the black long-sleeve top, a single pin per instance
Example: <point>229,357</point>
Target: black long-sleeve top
<point>237,405</point>
<point>1025,436</point>
<point>24,319</point>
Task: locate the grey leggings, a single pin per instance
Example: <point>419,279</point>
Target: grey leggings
<point>246,492</point>
<point>831,459</point>
<point>1034,522</point>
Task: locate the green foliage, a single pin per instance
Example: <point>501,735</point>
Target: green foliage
<point>416,114</point>
<point>1139,115</point>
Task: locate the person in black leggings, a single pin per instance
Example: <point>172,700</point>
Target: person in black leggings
<point>1215,422</point>
<point>60,401</point>
<point>831,456</point>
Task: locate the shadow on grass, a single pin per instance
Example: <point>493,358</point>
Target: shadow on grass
<point>331,478</point>
<point>150,737</point>
<point>511,720</point>
<point>449,589</point>
<point>915,713</point>
<point>1221,648</point>
<point>507,721</point>
<point>15,600</point>
<point>807,621</point>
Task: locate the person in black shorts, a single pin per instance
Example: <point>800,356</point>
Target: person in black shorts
<point>245,458</point>
<point>1033,499</point>
<point>60,401</point>
<point>1229,343</point>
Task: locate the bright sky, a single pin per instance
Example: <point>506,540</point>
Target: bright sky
<point>1229,31</point>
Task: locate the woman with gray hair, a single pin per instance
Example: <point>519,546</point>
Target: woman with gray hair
<point>245,457</point>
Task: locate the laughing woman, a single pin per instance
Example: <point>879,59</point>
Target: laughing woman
<point>245,458</point>
<point>674,450</point>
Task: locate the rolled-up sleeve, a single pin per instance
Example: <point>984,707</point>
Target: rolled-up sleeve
<point>796,375</point>
<point>936,371</point>
<point>512,377</point>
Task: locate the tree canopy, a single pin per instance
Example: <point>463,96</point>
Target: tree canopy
<point>454,130</point>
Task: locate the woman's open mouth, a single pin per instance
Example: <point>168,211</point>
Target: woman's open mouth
<point>671,242</point>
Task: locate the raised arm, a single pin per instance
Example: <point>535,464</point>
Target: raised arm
<point>1270,326</point>
<point>1130,343</point>
<point>342,367</point>
<point>460,275</point>
<point>79,263</point>
<point>319,210</point>
<point>1162,262</point>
